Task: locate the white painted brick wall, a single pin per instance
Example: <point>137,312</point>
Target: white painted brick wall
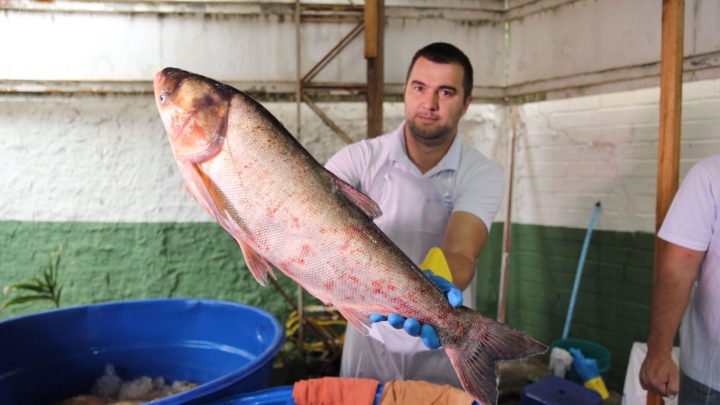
<point>574,152</point>
<point>106,158</point>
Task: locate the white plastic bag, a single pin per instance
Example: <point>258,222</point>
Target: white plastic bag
<point>633,393</point>
<point>560,362</point>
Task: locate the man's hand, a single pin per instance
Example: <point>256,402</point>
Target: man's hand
<point>659,375</point>
<point>676,272</point>
<point>412,326</point>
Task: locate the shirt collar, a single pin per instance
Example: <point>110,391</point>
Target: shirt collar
<point>451,160</point>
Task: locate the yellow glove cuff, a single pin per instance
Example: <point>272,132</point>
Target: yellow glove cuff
<point>436,262</point>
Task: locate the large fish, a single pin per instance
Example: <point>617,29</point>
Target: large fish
<point>285,209</point>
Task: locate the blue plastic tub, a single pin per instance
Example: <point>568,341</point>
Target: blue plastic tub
<point>225,347</point>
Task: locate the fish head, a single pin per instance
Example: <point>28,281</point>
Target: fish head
<point>194,111</point>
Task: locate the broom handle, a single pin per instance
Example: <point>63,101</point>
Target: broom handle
<point>579,271</point>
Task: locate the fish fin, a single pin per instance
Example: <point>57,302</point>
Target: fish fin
<point>259,267</point>
<point>359,319</point>
<point>195,185</point>
<point>365,203</point>
<point>199,189</point>
<point>194,193</point>
<point>475,355</point>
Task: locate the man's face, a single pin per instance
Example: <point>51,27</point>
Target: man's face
<point>434,101</point>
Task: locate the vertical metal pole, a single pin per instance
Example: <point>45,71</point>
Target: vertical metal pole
<point>505,260</point>
<point>298,70</point>
<point>670,106</point>
<point>298,126</point>
<point>671,68</point>
<point>374,48</point>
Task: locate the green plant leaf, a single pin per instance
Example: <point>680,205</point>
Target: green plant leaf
<point>58,255</point>
<point>28,286</point>
<point>24,299</point>
<point>47,277</point>
<point>57,296</point>
<point>45,287</point>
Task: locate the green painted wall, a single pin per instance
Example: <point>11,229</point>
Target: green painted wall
<point>613,302</point>
<point>144,260</point>
<point>134,261</point>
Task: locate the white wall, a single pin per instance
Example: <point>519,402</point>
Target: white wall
<point>574,152</point>
<point>566,48</point>
<point>555,48</point>
<point>106,158</point>
<point>252,46</point>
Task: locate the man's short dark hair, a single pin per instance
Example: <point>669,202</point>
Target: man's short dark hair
<point>442,52</point>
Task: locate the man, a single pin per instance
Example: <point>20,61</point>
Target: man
<point>691,255</point>
<point>434,190</point>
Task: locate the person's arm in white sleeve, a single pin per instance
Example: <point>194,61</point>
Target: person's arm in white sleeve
<point>677,270</point>
<point>686,233</point>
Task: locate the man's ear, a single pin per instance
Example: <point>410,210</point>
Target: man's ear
<point>467,102</point>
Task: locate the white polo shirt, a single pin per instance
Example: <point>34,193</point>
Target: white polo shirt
<point>416,208</point>
<point>463,180</point>
<point>693,222</point>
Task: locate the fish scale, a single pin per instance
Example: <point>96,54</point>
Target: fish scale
<point>285,210</point>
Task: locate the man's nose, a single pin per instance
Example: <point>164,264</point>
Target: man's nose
<point>430,100</point>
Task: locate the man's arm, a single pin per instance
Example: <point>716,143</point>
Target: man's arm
<point>465,237</point>
<point>676,273</point>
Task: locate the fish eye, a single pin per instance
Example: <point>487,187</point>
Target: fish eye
<point>162,97</point>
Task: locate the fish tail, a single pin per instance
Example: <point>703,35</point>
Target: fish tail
<point>475,353</point>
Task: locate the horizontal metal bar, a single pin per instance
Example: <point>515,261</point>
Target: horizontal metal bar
<point>467,10</point>
<point>616,79</point>
<point>331,8</point>
<point>274,90</point>
<point>344,19</point>
<point>150,7</point>
<point>697,67</point>
<point>335,86</point>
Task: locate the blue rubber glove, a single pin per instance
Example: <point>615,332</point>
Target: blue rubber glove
<point>453,294</point>
<point>587,369</point>
<point>412,326</point>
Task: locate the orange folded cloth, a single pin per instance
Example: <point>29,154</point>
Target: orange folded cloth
<point>335,391</point>
<point>422,393</point>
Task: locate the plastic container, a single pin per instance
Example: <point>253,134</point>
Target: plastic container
<point>225,347</point>
<point>274,396</point>
<point>557,391</point>
<point>590,350</point>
